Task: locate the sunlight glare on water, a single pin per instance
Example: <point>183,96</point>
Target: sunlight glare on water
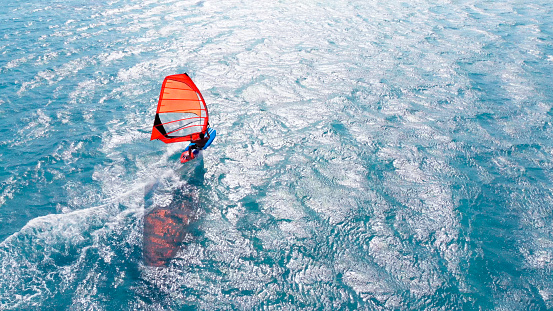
<point>370,155</point>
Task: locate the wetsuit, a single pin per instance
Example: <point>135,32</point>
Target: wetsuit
<point>197,144</point>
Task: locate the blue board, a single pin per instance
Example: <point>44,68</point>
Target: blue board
<point>212,133</point>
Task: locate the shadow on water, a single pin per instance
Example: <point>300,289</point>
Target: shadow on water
<point>167,226</point>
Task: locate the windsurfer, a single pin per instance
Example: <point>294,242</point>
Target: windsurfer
<point>181,116</point>
<point>198,144</point>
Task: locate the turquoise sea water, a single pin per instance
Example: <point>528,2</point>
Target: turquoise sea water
<point>371,155</point>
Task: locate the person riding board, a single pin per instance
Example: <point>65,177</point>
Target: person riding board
<point>181,115</point>
<point>198,144</point>
<point>205,139</point>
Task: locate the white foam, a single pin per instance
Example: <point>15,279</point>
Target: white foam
<point>38,126</point>
<point>9,188</point>
<point>17,62</point>
<point>320,113</point>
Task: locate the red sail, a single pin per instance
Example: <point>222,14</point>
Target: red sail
<point>181,111</point>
